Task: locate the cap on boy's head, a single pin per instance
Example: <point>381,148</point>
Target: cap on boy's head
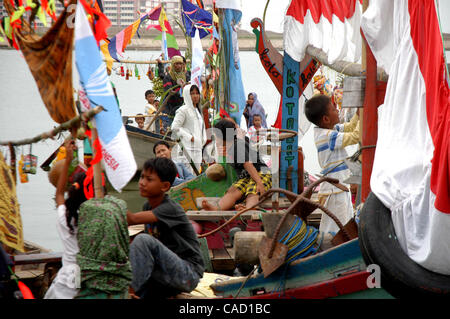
<point>316,107</point>
<point>160,143</point>
<point>163,167</point>
<point>148,92</point>
<point>226,129</point>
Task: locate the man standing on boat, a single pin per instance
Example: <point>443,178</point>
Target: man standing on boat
<point>176,76</point>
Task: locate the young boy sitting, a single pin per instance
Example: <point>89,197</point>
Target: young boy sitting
<point>168,261</point>
<point>331,138</point>
<point>163,149</point>
<point>254,176</point>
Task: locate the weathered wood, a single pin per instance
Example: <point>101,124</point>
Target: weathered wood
<point>64,126</point>
<point>353,95</point>
<point>221,215</point>
<point>245,247</point>
<point>347,68</point>
<point>222,260</point>
<point>271,221</point>
<point>37,258</point>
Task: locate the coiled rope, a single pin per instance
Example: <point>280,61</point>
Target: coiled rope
<point>300,240</point>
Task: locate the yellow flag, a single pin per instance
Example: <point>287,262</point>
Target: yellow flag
<point>108,58</point>
<point>162,18</point>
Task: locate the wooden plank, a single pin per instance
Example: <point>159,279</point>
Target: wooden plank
<point>220,215</point>
<point>222,260</point>
<point>37,258</point>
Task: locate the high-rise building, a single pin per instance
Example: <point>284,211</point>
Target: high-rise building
<point>122,13</point>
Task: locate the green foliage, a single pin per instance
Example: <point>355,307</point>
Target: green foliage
<point>158,87</point>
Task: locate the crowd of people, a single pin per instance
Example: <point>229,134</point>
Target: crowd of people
<point>99,260</point>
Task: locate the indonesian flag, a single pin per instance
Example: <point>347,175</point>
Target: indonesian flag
<point>411,171</point>
<point>117,156</point>
<point>330,25</point>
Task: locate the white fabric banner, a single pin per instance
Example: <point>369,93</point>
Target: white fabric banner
<point>336,32</point>
<point>405,154</point>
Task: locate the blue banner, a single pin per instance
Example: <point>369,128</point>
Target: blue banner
<point>235,88</point>
<point>289,146</point>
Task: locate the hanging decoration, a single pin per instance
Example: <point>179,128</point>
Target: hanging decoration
<point>11,233</point>
<point>49,59</point>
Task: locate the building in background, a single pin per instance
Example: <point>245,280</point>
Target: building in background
<point>122,13</point>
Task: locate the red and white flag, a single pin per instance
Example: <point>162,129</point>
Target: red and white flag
<point>330,25</point>
<point>411,171</point>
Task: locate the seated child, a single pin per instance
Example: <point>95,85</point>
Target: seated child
<point>168,261</point>
<point>331,138</point>
<point>140,121</point>
<point>163,149</point>
<point>254,176</point>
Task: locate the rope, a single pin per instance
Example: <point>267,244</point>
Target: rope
<point>300,240</point>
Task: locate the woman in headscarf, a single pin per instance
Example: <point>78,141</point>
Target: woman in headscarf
<point>103,241</point>
<point>254,107</point>
<point>189,126</point>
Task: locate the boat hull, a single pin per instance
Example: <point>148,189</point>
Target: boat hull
<point>142,143</point>
<point>337,272</point>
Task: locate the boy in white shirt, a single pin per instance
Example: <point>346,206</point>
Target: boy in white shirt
<point>150,109</point>
<point>331,138</point>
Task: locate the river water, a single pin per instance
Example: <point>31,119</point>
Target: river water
<point>23,115</point>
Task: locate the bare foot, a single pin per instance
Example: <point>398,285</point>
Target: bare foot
<point>208,206</point>
<point>239,206</point>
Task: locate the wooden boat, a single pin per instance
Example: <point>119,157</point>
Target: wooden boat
<point>142,142</point>
<point>36,267</point>
<point>339,272</point>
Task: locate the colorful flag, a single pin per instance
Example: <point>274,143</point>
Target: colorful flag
<point>120,41</point>
<point>172,45</point>
<point>169,44</point>
<point>196,18</point>
<point>118,159</point>
<point>413,127</point>
<point>333,26</point>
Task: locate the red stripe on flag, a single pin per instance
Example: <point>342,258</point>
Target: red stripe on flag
<point>427,41</point>
<point>343,9</point>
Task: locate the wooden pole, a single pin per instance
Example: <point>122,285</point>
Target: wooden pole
<point>162,106</point>
<point>64,126</point>
<point>98,187</point>
<point>137,62</point>
<point>369,121</point>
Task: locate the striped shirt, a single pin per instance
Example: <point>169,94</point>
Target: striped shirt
<point>331,151</point>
